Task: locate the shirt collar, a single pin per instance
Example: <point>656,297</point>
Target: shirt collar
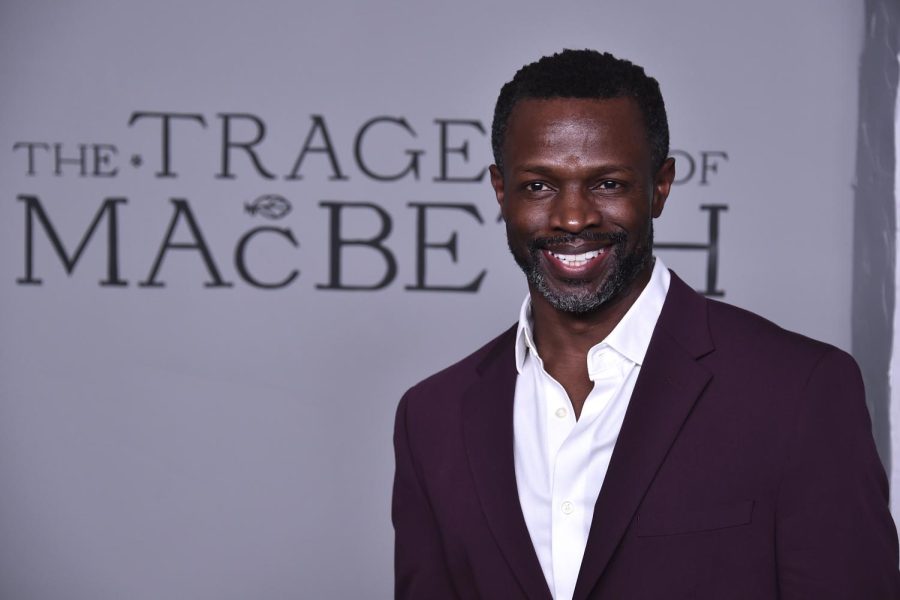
<point>630,337</point>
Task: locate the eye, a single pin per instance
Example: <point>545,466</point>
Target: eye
<point>537,186</point>
<point>609,184</point>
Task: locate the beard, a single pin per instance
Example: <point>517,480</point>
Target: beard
<point>581,297</point>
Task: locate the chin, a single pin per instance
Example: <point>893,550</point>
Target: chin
<point>584,297</point>
<point>576,301</point>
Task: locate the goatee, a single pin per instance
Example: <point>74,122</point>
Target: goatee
<point>578,299</point>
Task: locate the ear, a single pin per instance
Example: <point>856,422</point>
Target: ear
<point>662,184</point>
<point>497,184</point>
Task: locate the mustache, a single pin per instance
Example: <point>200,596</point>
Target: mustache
<point>546,243</point>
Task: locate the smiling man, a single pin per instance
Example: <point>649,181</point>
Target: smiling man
<point>628,438</point>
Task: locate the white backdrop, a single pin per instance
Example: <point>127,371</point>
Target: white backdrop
<point>161,437</point>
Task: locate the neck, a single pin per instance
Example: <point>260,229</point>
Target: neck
<point>564,339</point>
<point>558,333</point>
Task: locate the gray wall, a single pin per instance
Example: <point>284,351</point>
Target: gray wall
<point>195,441</point>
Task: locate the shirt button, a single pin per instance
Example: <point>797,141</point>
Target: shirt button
<point>568,508</point>
<point>561,413</point>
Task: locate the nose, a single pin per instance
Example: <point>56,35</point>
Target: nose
<point>573,210</point>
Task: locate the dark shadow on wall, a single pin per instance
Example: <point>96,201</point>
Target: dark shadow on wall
<point>874,230</point>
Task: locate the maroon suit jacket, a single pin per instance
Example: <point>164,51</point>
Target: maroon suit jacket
<point>745,469</point>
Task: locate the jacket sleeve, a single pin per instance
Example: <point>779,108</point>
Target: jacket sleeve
<point>835,537</point>
<point>420,569</point>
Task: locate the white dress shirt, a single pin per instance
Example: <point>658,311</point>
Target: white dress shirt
<point>560,462</point>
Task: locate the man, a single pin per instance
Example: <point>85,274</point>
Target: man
<point>629,439</point>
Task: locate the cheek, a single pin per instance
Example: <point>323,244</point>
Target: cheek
<point>517,236</point>
<point>522,224</point>
<point>633,216</point>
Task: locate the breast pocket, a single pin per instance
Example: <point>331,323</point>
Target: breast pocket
<point>694,521</point>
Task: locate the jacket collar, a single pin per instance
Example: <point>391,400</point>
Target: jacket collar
<point>488,435</point>
<point>669,384</point>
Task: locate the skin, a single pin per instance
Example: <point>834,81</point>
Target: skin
<point>578,177</point>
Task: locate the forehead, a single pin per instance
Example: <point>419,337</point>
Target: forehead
<point>581,127</point>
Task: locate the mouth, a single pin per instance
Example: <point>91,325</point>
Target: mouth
<point>572,265</point>
<point>577,260</point>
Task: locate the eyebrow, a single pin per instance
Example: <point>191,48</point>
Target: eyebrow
<point>543,169</point>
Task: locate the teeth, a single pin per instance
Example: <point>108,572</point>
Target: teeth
<point>576,260</point>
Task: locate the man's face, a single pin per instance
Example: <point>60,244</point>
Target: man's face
<point>578,193</point>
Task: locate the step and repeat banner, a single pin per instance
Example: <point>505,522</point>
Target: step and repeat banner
<point>233,234</point>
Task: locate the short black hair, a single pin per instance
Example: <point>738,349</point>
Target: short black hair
<point>585,74</point>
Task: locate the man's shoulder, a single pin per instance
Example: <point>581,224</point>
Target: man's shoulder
<point>742,337</point>
<point>733,325</point>
<point>686,311</point>
<point>463,372</point>
<point>446,387</point>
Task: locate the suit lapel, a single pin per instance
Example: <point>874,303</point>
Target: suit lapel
<point>488,435</point>
<point>670,382</point>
